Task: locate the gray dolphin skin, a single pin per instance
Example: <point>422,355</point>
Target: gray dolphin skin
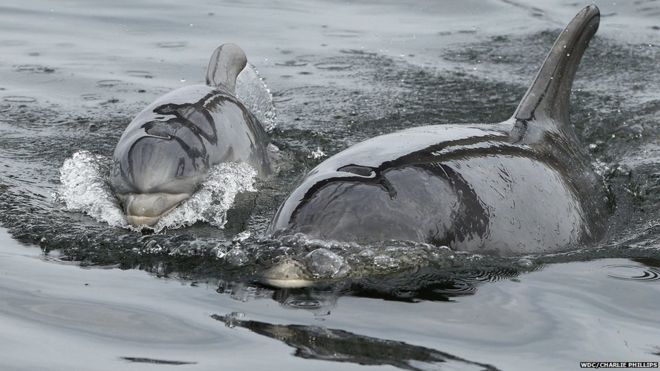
<point>167,150</point>
<point>521,186</point>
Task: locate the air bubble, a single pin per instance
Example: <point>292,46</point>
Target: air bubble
<point>324,263</point>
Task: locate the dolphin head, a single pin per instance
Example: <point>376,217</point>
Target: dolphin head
<point>153,173</point>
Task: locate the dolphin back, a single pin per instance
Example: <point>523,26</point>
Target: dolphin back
<point>227,61</point>
<point>546,102</point>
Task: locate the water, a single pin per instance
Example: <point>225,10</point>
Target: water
<point>81,291</point>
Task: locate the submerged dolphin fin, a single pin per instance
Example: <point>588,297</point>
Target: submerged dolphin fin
<point>547,100</point>
<point>227,61</point>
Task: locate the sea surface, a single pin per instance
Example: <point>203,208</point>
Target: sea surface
<point>80,290</point>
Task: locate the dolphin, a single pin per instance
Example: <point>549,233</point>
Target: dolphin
<point>167,150</point>
<point>521,186</point>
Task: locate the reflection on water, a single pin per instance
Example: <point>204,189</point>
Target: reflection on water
<point>157,361</point>
<point>430,285</point>
<point>320,343</point>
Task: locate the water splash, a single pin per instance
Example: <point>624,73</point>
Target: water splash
<point>255,95</point>
<point>215,197</point>
<point>84,188</point>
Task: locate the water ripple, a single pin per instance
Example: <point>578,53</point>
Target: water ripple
<point>633,272</point>
<point>172,44</point>
<point>108,83</point>
<point>19,99</point>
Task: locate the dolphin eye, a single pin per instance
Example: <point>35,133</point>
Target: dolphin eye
<point>358,170</point>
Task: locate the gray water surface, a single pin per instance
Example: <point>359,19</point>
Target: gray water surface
<point>76,293</point>
<point>58,316</point>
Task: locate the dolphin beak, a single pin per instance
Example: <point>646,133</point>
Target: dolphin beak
<point>287,274</point>
<point>146,209</point>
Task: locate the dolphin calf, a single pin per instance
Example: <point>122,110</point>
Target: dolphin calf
<point>167,150</point>
<point>521,186</point>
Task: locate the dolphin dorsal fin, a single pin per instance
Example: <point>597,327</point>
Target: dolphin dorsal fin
<point>547,100</point>
<point>227,61</point>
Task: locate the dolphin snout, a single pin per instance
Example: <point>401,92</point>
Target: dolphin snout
<point>288,274</point>
<point>148,208</point>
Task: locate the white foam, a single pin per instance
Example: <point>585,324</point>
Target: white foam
<point>215,197</point>
<point>255,95</point>
<point>84,188</point>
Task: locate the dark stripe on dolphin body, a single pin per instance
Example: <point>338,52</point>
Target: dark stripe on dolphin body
<point>471,218</point>
<point>192,153</point>
<point>431,152</point>
<point>160,129</point>
<point>422,156</point>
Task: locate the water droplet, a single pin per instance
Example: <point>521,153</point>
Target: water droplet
<point>317,153</point>
<point>273,148</point>
<point>241,236</point>
<point>384,261</point>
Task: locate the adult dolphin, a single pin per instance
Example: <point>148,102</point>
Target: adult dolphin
<point>167,150</point>
<point>521,186</point>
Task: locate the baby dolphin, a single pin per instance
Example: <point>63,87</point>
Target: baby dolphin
<point>521,186</point>
<point>167,150</point>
